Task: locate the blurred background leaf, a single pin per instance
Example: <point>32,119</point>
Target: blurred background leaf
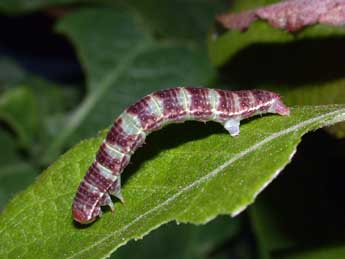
<point>10,73</point>
<point>175,19</point>
<point>15,173</point>
<point>18,109</point>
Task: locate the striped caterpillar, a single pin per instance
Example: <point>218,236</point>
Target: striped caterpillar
<point>151,113</point>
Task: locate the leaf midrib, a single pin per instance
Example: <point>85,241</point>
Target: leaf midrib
<point>214,173</point>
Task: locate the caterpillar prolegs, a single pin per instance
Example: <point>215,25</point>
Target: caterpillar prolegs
<point>151,113</point>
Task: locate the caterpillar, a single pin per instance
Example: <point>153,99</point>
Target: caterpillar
<point>151,113</point>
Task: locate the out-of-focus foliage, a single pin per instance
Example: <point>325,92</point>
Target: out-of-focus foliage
<point>15,173</point>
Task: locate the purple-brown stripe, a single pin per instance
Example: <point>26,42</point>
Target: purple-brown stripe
<point>123,141</point>
<point>200,105</point>
<point>226,105</point>
<point>173,109</point>
<point>141,110</point>
<point>96,179</point>
<point>115,165</point>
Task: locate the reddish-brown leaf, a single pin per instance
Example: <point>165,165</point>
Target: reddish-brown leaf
<point>291,15</point>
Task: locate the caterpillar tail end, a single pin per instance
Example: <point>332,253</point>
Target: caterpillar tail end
<point>280,108</point>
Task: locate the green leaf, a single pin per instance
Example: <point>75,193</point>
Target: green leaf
<point>332,252</point>
<point>15,174</point>
<point>123,63</point>
<point>226,46</point>
<point>174,19</point>
<point>181,241</point>
<point>293,215</point>
<point>179,19</point>
<point>32,107</point>
<point>188,173</point>
<point>53,102</point>
<point>18,109</point>
<point>10,72</point>
<point>265,221</point>
<point>16,6</point>
<point>35,113</point>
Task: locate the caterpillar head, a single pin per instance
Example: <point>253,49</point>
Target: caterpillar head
<point>84,216</point>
